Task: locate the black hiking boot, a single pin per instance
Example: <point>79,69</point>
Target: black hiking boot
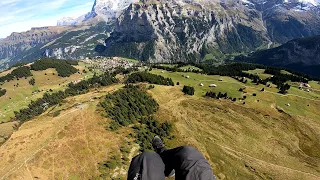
<point>159,148</point>
<point>158,145</point>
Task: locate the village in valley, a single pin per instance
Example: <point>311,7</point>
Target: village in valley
<point>110,63</point>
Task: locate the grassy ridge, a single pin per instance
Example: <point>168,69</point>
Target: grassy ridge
<point>39,106</point>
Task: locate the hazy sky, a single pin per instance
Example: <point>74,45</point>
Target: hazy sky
<point>21,15</point>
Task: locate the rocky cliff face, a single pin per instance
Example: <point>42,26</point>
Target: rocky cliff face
<point>290,19</point>
<point>17,43</point>
<point>72,42</point>
<point>184,30</point>
<point>78,44</point>
<point>166,31</point>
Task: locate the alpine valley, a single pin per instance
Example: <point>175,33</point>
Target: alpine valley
<point>168,31</point>
<point>238,80</point>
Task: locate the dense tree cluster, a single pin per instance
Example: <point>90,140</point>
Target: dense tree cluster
<point>2,92</point>
<point>220,95</point>
<point>149,128</point>
<point>176,68</point>
<point>20,72</point>
<point>188,90</point>
<point>32,81</point>
<point>236,69</point>
<point>150,78</point>
<point>128,105</point>
<point>37,107</point>
<point>233,69</point>
<point>94,82</point>
<point>284,88</point>
<point>121,70</point>
<point>132,105</point>
<point>64,68</point>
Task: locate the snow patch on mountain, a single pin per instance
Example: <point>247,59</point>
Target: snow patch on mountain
<point>107,9</point>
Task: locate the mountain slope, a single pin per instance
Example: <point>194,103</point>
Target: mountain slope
<point>171,31</point>
<point>77,43</point>
<point>166,31</point>
<point>300,54</point>
<point>175,30</point>
<point>18,43</point>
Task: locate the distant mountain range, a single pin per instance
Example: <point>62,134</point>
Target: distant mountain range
<point>300,54</point>
<point>169,30</point>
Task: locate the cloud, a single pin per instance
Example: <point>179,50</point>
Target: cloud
<point>8,2</point>
<point>22,15</point>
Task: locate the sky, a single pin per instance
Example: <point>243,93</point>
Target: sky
<point>22,15</point>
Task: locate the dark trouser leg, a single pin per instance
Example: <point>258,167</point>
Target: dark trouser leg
<point>146,166</point>
<point>188,162</point>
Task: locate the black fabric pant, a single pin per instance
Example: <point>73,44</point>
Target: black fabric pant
<point>146,166</point>
<point>187,161</point>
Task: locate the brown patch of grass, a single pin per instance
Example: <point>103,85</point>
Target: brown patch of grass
<point>69,145</point>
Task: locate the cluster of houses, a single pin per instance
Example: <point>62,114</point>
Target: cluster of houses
<point>304,86</point>
<point>108,63</point>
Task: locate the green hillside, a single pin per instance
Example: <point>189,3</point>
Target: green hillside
<point>94,134</point>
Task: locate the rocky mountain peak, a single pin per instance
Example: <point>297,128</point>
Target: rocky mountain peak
<point>108,10</point>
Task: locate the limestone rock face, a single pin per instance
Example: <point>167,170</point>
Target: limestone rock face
<point>169,31</point>
<point>185,30</point>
